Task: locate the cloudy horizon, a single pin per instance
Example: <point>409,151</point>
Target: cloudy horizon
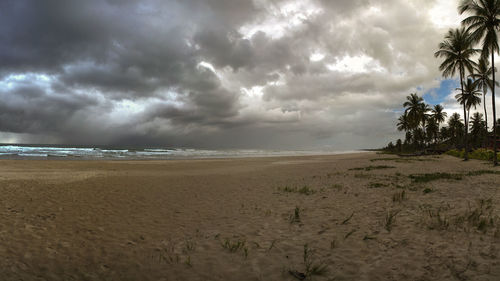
<point>298,74</point>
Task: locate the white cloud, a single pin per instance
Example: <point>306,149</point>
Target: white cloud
<point>444,14</point>
<point>356,64</point>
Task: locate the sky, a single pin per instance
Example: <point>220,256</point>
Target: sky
<point>270,74</point>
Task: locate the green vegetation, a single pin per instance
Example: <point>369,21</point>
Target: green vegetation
<point>295,217</point>
<point>369,168</point>
<point>235,246</point>
<point>436,220</point>
<point>336,186</point>
<point>305,190</point>
<point>390,219</point>
<point>423,178</point>
<point>428,190</point>
<point>189,246</point>
<point>403,159</point>
<point>421,123</point>
<point>479,154</point>
<point>479,217</point>
<point>333,244</point>
<point>483,21</point>
<point>188,261</point>
<point>377,185</point>
<point>399,196</point>
<point>483,172</point>
<point>348,219</point>
<point>311,267</point>
<point>362,176</point>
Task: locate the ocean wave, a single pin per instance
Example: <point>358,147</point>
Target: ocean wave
<point>144,153</point>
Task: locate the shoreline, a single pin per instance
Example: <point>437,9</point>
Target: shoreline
<point>169,158</point>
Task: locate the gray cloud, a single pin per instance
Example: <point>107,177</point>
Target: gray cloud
<point>216,73</point>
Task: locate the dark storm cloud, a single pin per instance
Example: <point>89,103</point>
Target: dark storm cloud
<point>191,73</point>
<point>28,108</point>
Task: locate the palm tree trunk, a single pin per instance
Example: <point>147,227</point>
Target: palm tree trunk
<point>484,104</point>
<point>425,132</point>
<point>466,129</point>
<point>485,114</point>
<point>495,161</point>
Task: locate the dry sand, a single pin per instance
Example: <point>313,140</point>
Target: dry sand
<point>170,220</point>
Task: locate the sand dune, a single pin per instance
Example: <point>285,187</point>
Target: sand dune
<point>249,219</point>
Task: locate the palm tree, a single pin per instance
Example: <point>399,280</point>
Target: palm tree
<point>483,82</point>
<point>404,125</point>
<point>419,136</point>
<point>455,127</point>
<point>478,129</point>
<point>470,97</point>
<point>404,122</point>
<point>408,138</point>
<point>399,145</point>
<point>424,116</point>
<point>438,114</point>
<point>413,105</point>
<point>483,23</point>
<point>413,111</point>
<point>457,51</point>
<point>432,130</point>
<point>444,134</point>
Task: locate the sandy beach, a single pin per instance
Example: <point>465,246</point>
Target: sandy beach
<point>338,217</point>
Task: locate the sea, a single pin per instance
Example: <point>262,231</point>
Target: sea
<point>43,151</point>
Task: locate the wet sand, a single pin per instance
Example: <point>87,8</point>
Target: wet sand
<point>235,219</point>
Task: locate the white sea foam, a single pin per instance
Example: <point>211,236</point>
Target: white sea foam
<point>26,151</point>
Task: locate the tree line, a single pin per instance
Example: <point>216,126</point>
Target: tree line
<point>422,123</point>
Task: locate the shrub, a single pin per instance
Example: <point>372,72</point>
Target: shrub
<point>479,154</point>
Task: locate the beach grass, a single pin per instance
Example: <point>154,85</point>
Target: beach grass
<point>424,178</point>
<point>370,168</point>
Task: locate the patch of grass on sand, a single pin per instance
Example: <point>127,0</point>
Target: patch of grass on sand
<point>188,261</point>
<point>336,186</point>
<point>362,176</point>
<point>399,196</point>
<point>369,168</point>
<point>428,190</point>
<point>483,172</point>
<point>189,246</point>
<point>311,267</point>
<point>377,185</point>
<point>481,217</point>
<point>423,178</point>
<point>333,244</point>
<point>402,159</point>
<point>168,255</point>
<point>390,219</point>
<point>435,218</point>
<point>305,190</point>
<point>235,246</point>
<point>399,186</point>
<point>295,217</point>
